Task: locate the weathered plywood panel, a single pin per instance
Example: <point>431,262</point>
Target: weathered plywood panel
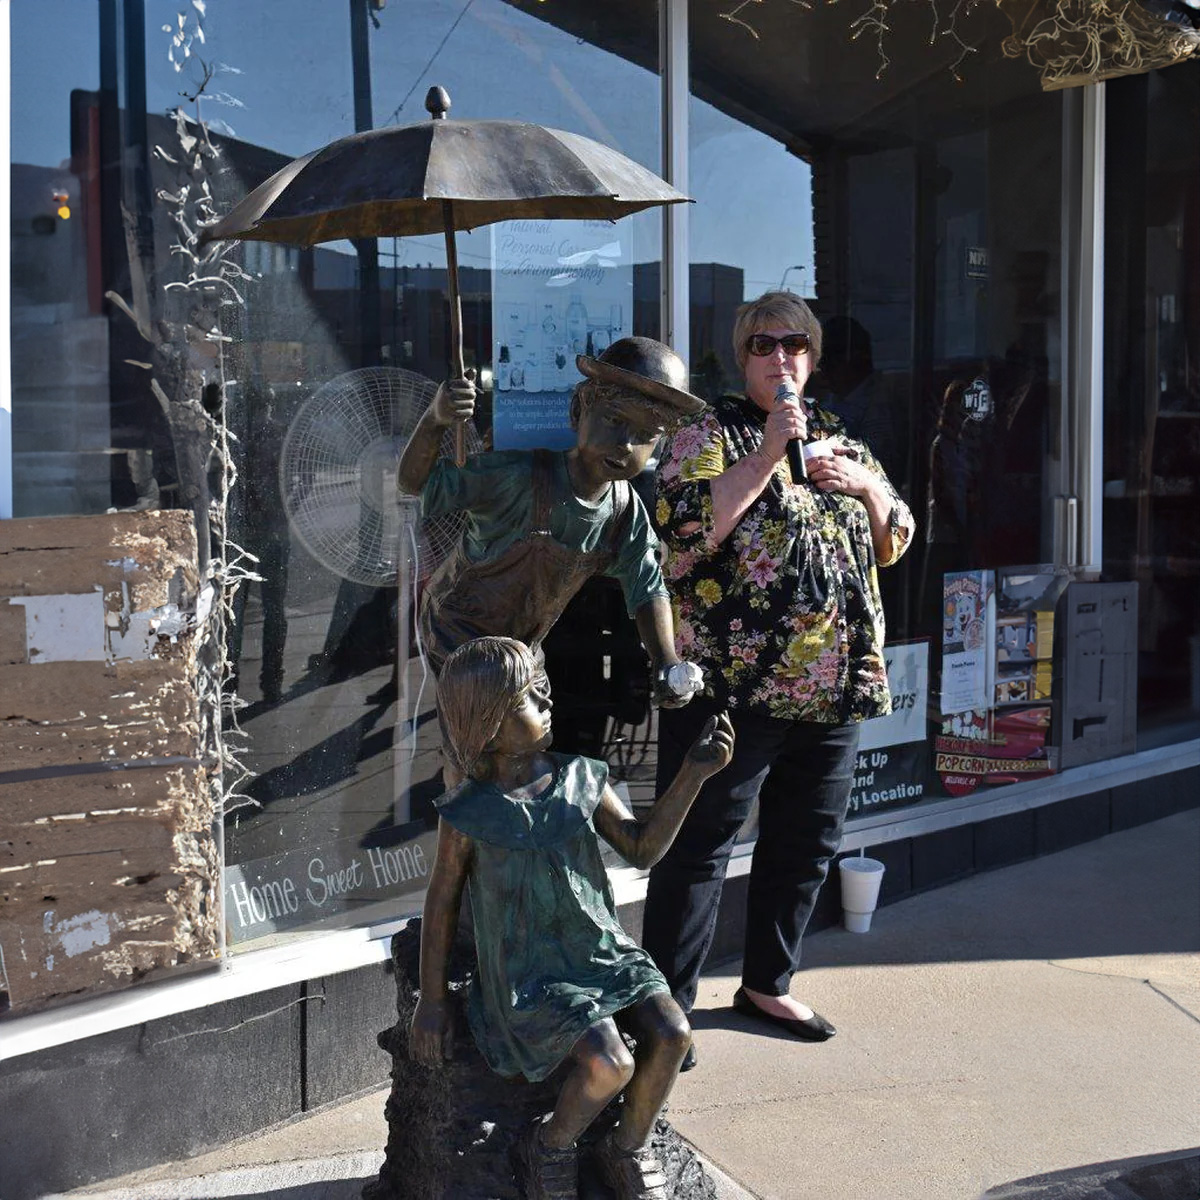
<point>12,634</point>
<point>108,861</point>
<point>54,714</point>
<point>104,879</point>
<point>114,587</point>
<point>151,553</point>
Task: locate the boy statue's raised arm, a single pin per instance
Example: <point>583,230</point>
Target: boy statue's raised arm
<point>454,401</point>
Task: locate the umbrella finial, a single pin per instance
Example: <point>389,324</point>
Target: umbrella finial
<point>437,103</point>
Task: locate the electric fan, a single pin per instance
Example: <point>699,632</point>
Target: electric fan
<point>337,475</point>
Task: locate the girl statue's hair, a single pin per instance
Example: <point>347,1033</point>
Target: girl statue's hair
<point>478,686</point>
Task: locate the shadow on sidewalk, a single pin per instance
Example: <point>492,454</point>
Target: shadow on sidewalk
<point>1173,1176</point>
<point>208,1188</point>
<point>1133,892</point>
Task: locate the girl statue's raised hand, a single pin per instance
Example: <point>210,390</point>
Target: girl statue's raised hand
<point>558,979</point>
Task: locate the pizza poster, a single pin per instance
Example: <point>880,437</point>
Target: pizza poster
<point>968,616</point>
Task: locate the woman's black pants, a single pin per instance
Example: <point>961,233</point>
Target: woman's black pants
<point>802,773</point>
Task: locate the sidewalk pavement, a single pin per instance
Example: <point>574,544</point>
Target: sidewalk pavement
<point>1032,1033</point>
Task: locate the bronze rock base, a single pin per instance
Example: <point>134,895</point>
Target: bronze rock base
<point>450,1131</point>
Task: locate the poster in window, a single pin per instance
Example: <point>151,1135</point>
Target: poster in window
<point>968,616</point>
<point>889,770</point>
<point>559,289</point>
<point>1007,738</point>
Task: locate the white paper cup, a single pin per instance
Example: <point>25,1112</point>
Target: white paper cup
<point>861,878</point>
<point>821,448</point>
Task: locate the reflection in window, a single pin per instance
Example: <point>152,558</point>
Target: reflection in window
<point>921,217</point>
<point>750,232</point>
<point>1152,385</point>
<point>332,349</point>
<point>61,423</point>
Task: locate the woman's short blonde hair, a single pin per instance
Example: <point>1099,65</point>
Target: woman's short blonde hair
<point>784,310</point>
<point>478,687</point>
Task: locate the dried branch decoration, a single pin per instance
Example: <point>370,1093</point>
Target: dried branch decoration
<point>183,323</point>
<point>1070,42</point>
<point>873,22</point>
<point>1074,42</point>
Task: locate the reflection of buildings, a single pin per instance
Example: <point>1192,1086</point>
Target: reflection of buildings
<point>300,325</point>
<point>60,351</point>
<point>716,292</point>
<point>75,357</point>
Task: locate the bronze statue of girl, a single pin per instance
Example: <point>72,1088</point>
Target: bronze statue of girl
<point>557,977</point>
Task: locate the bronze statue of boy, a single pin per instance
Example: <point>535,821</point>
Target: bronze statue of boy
<point>540,523</point>
<point>557,977</point>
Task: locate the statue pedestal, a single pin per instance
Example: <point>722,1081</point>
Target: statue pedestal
<point>450,1130</point>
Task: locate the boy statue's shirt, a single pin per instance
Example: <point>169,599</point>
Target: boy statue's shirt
<point>529,544</point>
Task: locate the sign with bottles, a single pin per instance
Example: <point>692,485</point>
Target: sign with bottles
<point>559,289</point>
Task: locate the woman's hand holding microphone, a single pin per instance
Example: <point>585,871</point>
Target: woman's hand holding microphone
<point>786,422</point>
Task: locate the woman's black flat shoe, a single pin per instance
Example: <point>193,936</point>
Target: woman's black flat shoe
<point>814,1029</point>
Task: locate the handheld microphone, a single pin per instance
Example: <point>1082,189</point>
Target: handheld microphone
<point>795,455</point>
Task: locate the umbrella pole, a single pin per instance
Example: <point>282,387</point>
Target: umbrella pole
<point>456,341</point>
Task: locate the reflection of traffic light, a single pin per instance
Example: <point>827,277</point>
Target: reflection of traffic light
<point>43,223</point>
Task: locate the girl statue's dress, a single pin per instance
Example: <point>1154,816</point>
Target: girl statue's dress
<point>553,958</point>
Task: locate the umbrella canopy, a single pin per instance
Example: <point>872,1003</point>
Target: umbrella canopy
<point>437,177</point>
<point>392,183</point>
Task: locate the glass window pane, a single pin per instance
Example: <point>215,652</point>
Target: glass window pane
<point>126,118</point>
<point>750,231</point>
<point>1152,385</point>
<point>340,347</point>
<point>920,215</point>
<point>61,424</point>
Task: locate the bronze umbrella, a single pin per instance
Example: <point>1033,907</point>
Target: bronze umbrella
<point>439,176</point>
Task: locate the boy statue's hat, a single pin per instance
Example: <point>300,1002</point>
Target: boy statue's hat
<point>646,366</point>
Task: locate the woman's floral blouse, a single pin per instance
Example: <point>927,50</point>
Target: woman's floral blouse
<point>784,616</point>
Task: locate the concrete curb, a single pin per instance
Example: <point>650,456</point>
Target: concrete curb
<point>727,1187</point>
<point>333,1177</point>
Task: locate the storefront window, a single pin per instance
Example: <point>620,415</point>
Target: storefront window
<point>62,423</point>
<point>1152,385</point>
<point>342,724</point>
<point>317,358</point>
<point>920,215</point>
<point>912,195</point>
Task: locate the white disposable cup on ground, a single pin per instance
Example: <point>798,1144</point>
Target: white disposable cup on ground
<point>861,878</point>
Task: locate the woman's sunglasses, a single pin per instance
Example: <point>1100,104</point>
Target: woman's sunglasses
<point>762,344</point>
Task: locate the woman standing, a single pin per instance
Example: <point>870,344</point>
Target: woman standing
<point>776,597</point>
